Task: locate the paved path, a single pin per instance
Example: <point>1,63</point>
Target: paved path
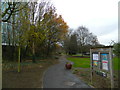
<point>58,77</point>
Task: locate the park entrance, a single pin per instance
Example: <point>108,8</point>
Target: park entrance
<point>101,66</point>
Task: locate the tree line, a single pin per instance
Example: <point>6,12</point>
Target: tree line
<point>80,41</point>
<point>35,29</point>
<point>32,29</point>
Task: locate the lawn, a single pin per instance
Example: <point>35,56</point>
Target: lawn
<point>77,55</point>
<point>80,62</point>
<point>80,55</point>
<point>115,63</point>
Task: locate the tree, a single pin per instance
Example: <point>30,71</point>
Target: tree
<point>117,49</point>
<point>66,41</point>
<point>33,9</point>
<point>10,8</point>
<point>55,28</point>
<point>85,38</point>
<point>36,28</point>
<point>73,44</point>
<point>9,15</point>
<point>22,29</point>
<point>66,44</point>
<point>82,35</point>
<point>80,40</point>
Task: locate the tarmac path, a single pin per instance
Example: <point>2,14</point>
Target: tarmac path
<point>58,77</point>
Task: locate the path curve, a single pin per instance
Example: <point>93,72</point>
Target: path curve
<point>58,77</point>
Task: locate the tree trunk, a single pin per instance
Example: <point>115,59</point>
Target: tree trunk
<point>8,36</point>
<point>82,53</point>
<point>13,30</point>
<point>13,37</point>
<point>19,59</point>
<point>48,49</point>
<point>33,50</point>
<point>24,54</point>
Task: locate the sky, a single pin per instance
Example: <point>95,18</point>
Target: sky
<point>99,16</point>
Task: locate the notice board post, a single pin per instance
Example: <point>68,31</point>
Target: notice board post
<point>101,63</point>
<point>111,66</point>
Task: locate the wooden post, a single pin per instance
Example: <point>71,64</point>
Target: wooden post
<point>0,57</point>
<point>0,47</point>
<point>91,69</point>
<point>99,63</point>
<point>111,68</point>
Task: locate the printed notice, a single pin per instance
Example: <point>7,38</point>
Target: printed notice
<point>105,65</point>
<point>95,63</point>
<point>104,58</point>
<point>95,57</point>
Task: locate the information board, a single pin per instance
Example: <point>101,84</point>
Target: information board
<point>101,62</point>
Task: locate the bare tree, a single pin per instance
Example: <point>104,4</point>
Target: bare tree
<point>82,34</point>
<point>10,8</point>
<point>85,38</point>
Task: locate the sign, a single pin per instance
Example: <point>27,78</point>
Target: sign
<point>95,63</point>
<point>95,57</point>
<point>105,65</point>
<point>104,58</point>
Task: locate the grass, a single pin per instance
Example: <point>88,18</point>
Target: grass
<point>80,62</point>
<point>77,55</point>
<point>115,63</point>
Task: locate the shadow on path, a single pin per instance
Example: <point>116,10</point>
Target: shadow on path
<point>58,77</point>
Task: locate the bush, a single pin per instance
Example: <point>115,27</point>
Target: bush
<point>117,49</point>
<point>9,52</point>
<point>56,57</point>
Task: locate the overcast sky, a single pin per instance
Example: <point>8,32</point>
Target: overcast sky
<point>99,16</point>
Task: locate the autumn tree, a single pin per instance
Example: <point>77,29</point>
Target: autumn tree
<point>53,28</point>
<point>38,29</point>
